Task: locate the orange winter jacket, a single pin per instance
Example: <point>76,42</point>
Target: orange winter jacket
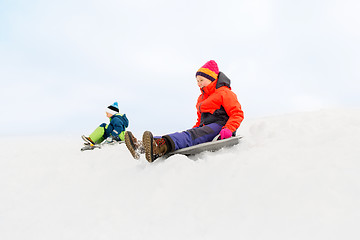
<point>218,104</point>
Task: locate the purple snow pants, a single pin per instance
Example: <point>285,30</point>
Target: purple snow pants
<point>195,136</point>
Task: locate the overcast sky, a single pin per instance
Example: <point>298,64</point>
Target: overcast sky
<point>63,62</point>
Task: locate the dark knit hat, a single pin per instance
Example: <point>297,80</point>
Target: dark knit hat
<point>113,109</point>
<point>210,70</point>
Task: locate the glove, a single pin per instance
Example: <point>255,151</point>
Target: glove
<point>225,133</point>
<point>109,139</point>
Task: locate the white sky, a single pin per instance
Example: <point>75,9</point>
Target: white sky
<point>63,62</point>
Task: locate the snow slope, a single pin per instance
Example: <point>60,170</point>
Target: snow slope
<point>292,177</point>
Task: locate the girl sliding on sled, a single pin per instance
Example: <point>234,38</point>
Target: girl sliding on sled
<point>218,111</point>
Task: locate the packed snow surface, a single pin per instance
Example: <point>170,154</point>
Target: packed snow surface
<point>295,176</point>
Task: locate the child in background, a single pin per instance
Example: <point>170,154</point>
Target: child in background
<point>218,111</point>
<point>115,130</point>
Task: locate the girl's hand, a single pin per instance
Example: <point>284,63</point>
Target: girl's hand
<point>225,133</point>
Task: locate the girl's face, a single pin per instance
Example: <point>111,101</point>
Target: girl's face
<point>202,81</point>
<point>108,115</point>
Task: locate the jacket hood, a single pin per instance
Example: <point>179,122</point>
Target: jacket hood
<point>223,80</point>
<point>122,118</point>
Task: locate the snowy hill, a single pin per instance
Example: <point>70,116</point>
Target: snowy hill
<point>294,176</point>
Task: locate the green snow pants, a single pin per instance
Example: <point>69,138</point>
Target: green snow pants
<point>98,135</point>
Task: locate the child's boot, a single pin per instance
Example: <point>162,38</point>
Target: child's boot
<point>87,140</point>
<point>154,148</point>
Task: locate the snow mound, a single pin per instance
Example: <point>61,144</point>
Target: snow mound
<point>292,177</point>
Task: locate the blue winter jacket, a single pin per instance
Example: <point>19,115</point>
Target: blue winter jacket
<point>118,124</point>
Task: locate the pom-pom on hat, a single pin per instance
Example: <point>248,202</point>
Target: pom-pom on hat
<point>113,108</point>
<point>210,70</point>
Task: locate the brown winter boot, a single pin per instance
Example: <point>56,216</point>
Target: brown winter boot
<point>154,148</point>
<point>135,147</point>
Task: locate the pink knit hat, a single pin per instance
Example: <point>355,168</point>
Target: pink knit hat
<point>210,70</point>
